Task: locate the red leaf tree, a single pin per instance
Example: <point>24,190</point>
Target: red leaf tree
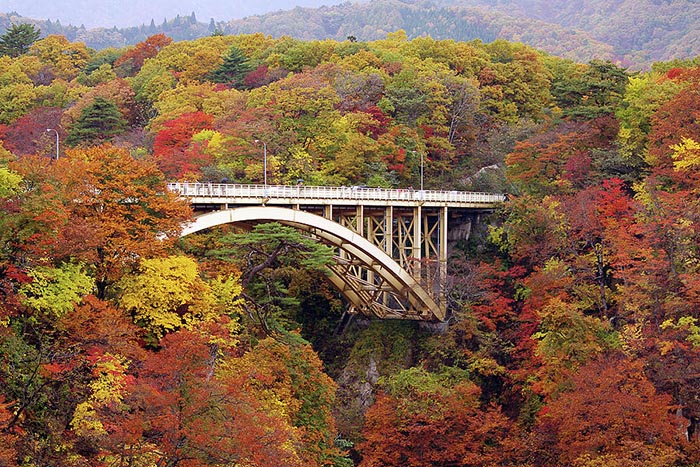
<point>612,412</point>
<point>172,148</point>
<point>132,60</point>
<point>423,421</point>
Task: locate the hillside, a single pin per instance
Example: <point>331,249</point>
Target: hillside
<point>125,13</point>
<point>573,332</point>
<point>372,21</point>
<point>632,33</point>
<point>640,31</point>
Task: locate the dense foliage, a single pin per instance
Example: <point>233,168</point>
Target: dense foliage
<point>573,337</point>
<point>635,33</point>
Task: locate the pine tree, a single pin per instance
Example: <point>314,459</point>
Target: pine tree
<point>17,40</point>
<point>99,121</point>
<point>234,68</point>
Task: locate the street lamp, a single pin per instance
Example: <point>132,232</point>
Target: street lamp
<point>422,165</point>
<point>55,131</point>
<point>264,162</point>
<point>421,172</point>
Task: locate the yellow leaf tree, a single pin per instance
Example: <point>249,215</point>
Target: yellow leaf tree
<point>65,58</point>
<point>56,290</point>
<point>686,154</point>
<point>165,294</point>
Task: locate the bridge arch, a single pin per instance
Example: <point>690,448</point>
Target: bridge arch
<point>387,292</point>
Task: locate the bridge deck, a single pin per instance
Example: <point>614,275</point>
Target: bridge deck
<point>219,193</point>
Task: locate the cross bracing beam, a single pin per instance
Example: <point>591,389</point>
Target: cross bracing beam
<point>389,291</point>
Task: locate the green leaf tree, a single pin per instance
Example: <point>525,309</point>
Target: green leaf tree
<point>233,69</point>
<point>98,122</point>
<point>17,39</point>
<point>597,91</point>
<point>271,257</point>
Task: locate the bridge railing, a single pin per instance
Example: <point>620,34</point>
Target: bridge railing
<point>237,191</point>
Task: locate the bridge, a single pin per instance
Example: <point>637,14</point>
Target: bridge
<point>391,245</point>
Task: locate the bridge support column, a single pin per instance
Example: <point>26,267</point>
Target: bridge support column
<point>403,238</point>
<point>360,220</point>
<point>442,275</point>
<point>388,230</point>
<point>417,243</point>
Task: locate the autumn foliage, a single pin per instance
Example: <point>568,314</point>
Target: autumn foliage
<point>573,336</point>
<point>173,149</point>
<point>442,423</point>
<point>132,60</point>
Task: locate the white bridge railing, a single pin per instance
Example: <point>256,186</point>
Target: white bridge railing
<point>252,192</point>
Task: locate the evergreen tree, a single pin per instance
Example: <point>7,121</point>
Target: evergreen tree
<point>234,68</point>
<point>18,38</point>
<point>597,91</point>
<point>99,121</point>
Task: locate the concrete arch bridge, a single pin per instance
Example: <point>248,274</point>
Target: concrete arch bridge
<point>391,245</point>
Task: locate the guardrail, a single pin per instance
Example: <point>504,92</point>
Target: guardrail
<point>237,191</point>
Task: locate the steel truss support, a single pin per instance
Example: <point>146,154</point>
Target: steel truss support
<point>365,274</point>
<point>416,238</point>
<point>390,262</point>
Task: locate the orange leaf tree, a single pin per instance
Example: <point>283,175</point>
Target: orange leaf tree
<point>428,419</point>
<point>119,211</point>
<point>132,60</point>
<point>185,408</point>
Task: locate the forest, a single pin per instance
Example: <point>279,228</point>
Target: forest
<point>573,336</point>
<point>631,33</point>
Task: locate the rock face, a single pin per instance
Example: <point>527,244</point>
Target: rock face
<point>355,395</point>
<point>365,389</point>
<point>474,226</point>
<point>381,349</point>
<point>459,232</point>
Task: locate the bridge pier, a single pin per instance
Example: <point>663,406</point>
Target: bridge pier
<point>413,236</point>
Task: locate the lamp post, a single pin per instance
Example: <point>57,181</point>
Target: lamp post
<point>55,131</point>
<point>421,173</point>
<point>422,165</point>
<point>264,162</point>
